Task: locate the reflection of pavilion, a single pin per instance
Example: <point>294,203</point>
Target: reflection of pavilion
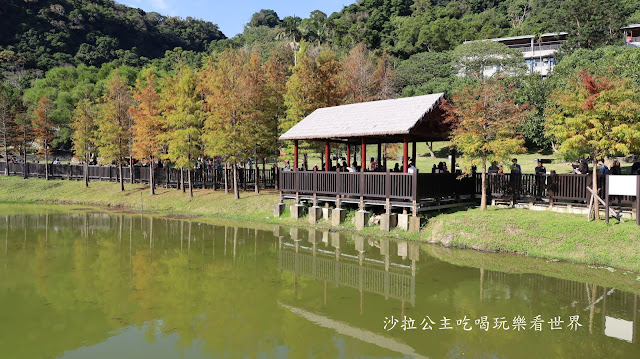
<point>356,272</point>
<point>619,310</point>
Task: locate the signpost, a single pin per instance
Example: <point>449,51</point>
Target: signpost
<point>623,186</point>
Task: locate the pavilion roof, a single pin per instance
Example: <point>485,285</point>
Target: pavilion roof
<point>386,120</point>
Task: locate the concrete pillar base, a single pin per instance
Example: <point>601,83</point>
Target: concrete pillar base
<point>362,219</point>
<point>278,210</point>
<point>388,221</point>
<point>315,214</point>
<point>297,211</point>
<point>337,216</point>
<point>403,221</point>
<point>326,213</point>
<point>414,224</point>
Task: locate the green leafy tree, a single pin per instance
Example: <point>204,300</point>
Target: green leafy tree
<point>596,116</point>
<point>8,107</point>
<point>183,120</point>
<point>84,133</point>
<point>43,130</point>
<point>114,124</point>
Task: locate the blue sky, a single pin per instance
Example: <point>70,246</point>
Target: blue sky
<point>232,15</point>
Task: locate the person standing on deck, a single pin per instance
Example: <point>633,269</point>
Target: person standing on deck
<point>635,168</point>
<point>540,179</point>
<point>516,178</point>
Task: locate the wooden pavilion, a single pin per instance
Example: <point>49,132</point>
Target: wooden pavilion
<point>404,120</point>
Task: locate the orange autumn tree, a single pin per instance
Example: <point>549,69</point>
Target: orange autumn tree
<point>147,121</point>
<point>43,129</point>
<point>316,82</point>
<point>276,71</point>
<point>596,116</point>
<point>484,120</point>
<point>235,103</point>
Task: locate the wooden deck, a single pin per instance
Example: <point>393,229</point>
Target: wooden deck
<point>376,188</point>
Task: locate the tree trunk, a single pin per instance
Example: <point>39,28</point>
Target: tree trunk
<point>226,180</point>
<point>152,183</point>
<point>24,164</point>
<point>46,162</point>
<point>86,170</point>
<point>430,147</point>
<point>121,178</point>
<point>182,180</point>
<point>236,191</point>
<point>131,167</point>
<point>256,177</point>
<point>6,157</point>
<point>190,184</point>
<point>594,184</point>
<point>483,199</point>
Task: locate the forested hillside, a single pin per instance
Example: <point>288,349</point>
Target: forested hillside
<point>41,34</point>
<point>62,60</point>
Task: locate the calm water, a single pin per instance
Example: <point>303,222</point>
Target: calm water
<point>95,285</point>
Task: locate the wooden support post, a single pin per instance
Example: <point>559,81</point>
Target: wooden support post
<point>379,158</point>
<point>414,154</point>
<point>453,152</point>
<point>363,154</point>
<point>387,192</point>
<point>405,155</point>
<point>638,200</point>
<point>606,203</point>
<point>295,155</point>
<point>348,155</point>
<point>327,154</point>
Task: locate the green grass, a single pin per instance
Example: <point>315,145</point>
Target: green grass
<point>542,234</point>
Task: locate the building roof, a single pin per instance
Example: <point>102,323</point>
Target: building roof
<point>632,26</point>
<point>383,119</point>
<point>523,37</point>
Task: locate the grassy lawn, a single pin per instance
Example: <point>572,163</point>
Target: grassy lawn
<point>540,234</point>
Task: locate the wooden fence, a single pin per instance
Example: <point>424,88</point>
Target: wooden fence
<point>166,176</point>
<point>376,185</point>
<point>554,187</point>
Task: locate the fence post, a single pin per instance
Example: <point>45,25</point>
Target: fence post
<point>362,186</point>
<point>337,188</point>
<point>551,187</point>
<point>414,185</point>
<point>387,192</point>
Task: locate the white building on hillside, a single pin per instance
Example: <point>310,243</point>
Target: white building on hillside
<point>538,51</point>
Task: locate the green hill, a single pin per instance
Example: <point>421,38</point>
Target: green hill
<point>41,34</point>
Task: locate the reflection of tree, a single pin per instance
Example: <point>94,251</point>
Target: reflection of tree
<point>66,290</point>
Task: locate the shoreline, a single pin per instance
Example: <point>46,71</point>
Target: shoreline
<point>539,234</point>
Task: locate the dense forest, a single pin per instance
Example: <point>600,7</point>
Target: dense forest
<point>60,62</point>
<point>41,34</point>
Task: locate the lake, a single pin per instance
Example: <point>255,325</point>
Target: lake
<point>82,283</point>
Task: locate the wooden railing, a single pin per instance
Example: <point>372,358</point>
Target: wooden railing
<point>376,185</point>
<point>554,187</point>
<point>166,176</point>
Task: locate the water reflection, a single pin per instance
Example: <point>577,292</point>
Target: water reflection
<point>93,284</point>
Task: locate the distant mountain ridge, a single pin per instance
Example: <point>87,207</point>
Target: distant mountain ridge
<point>41,34</point>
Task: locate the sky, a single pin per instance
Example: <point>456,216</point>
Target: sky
<point>232,15</point>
